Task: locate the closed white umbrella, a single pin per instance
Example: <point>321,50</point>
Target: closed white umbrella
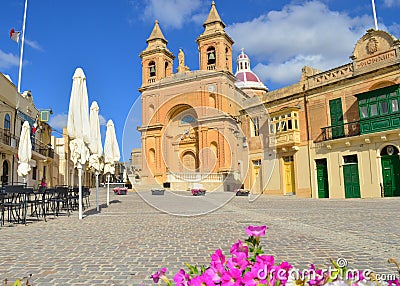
<point>111,154</point>
<point>95,146</point>
<point>24,151</point>
<point>78,126</point>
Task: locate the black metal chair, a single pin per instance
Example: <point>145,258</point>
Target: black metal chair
<point>60,200</point>
<point>15,203</point>
<point>33,201</point>
<point>85,197</point>
<point>2,197</point>
<point>42,198</point>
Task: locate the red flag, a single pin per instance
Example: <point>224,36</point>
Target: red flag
<point>14,35</point>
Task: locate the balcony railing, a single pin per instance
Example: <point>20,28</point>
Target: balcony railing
<point>11,140</point>
<point>194,177</point>
<point>44,150</point>
<point>8,139</point>
<point>339,131</point>
<point>211,67</point>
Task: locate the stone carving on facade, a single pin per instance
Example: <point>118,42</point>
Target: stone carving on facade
<point>332,75</point>
<point>372,45</point>
<point>181,61</point>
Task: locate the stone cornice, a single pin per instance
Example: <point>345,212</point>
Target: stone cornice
<point>185,77</point>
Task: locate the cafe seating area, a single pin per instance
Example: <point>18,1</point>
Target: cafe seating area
<point>21,204</point>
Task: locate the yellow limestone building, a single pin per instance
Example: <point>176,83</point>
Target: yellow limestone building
<point>333,134</point>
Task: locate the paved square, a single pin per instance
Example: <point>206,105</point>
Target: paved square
<point>129,240</point>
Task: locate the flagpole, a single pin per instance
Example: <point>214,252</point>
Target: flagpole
<point>22,48</point>
<point>374,12</point>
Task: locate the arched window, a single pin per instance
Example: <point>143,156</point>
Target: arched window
<point>165,68</point>
<point>7,122</point>
<point>187,119</point>
<point>389,150</point>
<point>213,101</point>
<point>214,148</point>
<point>211,57</point>
<point>152,68</point>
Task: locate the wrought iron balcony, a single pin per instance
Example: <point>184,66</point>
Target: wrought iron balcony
<point>8,139</point>
<point>11,140</point>
<point>42,149</point>
<point>339,131</point>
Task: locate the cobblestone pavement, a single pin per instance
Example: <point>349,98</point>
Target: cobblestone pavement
<point>129,240</point>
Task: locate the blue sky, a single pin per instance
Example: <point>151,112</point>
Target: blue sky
<point>105,38</point>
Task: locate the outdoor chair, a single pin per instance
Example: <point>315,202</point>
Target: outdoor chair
<point>15,203</point>
<point>2,196</point>
<point>85,197</point>
<point>60,201</point>
<point>42,198</point>
<point>33,201</point>
<point>74,198</point>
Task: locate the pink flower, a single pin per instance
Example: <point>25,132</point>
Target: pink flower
<point>202,280</point>
<point>268,260</point>
<point>232,277</point>
<point>238,261</point>
<point>182,278</point>
<point>215,275</point>
<point>257,231</point>
<point>239,247</point>
<point>257,275</point>
<point>218,261</point>
<point>156,276</point>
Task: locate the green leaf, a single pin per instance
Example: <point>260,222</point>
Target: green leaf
<point>17,283</point>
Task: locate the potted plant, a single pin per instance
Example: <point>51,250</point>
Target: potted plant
<point>242,192</point>
<point>198,192</point>
<point>120,191</point>
<point>158,192</point>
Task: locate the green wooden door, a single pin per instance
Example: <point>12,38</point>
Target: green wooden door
<point>336,112</point>
<point>322,179</point>
<point>351,181</point>
<point>391,175</point>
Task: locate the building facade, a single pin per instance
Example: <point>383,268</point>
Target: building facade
<point>15,109</point>
<point>333,134</point>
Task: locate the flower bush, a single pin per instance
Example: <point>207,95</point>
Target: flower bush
<point>249,266</point>
<point>198,192</point>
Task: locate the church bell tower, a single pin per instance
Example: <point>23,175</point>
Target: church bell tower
<point>214,44</point>
<point>157,60</point>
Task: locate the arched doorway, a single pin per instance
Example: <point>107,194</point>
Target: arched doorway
<point>390,171</point>
<point>4,177</point>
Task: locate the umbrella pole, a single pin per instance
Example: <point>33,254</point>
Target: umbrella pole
<point>97,191</point>
<point>80,189</point>
<point>108,190</point>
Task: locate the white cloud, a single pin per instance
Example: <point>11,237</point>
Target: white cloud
<point>282,42</point>
<point>59,121</point>
<point>391,3</point>
<point>8,60</point>
<point>171,13</point>
<point>33,44</point>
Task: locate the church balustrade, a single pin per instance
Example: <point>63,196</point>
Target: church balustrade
<point>194,177</point>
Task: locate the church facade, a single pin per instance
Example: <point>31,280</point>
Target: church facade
<point>333,134</point>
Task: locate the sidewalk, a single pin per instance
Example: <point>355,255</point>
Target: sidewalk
<point>130,239</point>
